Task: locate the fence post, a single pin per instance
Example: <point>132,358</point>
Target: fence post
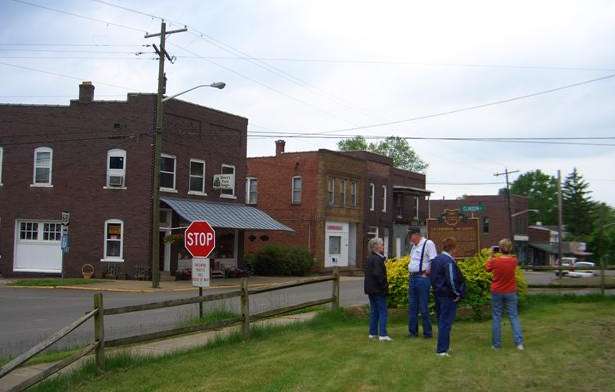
<point>200,303</point>
<point>602,274</point>
<point>335,305</point>
<point>245,309</point>
<point>99,332</point>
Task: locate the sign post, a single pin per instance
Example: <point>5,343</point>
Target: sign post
<point>200,241</point>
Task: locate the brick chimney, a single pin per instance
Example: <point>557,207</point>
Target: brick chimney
<point>86,92</point>
<point>279,147</point>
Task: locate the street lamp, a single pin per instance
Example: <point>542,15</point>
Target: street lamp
<point>524,212</point>
<point>156,174</point>
<point>218,85</point>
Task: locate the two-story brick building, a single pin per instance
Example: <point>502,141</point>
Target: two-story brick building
<point>93,159</point>
<point>316,193</point>
<point>335,201</point>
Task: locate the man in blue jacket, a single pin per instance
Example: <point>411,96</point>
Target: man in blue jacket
<point>448,285</point>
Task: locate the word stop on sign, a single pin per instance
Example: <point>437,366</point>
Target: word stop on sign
<point>199,239</point>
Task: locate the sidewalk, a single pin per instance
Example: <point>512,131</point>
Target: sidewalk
<point>145,286</point>
<point>151,349</point>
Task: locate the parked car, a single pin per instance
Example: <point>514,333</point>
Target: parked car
<point>581,274</point>
<point>576,268</point>
<point>584,264</point>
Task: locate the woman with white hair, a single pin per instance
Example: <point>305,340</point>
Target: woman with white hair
<point>376,287</point>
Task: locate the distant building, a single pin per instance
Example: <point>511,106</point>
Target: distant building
<point>93,159</point>
<point>493,218</point>
<point>335,202</point>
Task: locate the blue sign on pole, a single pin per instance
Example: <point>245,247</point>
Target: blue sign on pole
<point>65,240</point>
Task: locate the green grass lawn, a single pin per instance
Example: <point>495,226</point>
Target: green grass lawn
<point>570,346</point>
<point>53,282</point>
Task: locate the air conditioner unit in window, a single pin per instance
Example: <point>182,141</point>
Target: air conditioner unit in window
<point>116,181</point>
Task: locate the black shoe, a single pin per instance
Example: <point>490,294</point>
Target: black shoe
<point>412,336</point>
<point>427,336</point>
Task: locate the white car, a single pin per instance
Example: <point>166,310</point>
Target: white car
<point>580,274</point>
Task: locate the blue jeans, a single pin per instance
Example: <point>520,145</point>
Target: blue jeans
<point>498,303</point>
<point>378,314</point>
<point>447,309</point>
<point>418,302</point>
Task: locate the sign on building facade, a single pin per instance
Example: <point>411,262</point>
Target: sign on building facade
<point>453,223</point>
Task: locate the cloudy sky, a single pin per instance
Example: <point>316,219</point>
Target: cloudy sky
<point>322,66</point>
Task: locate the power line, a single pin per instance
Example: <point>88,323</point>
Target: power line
<point>230,49</point>
<point>62,75</point>
<point>268,87</point>
<point>51,44</point>
<point>71,51</point>
<point>91,19</point>
<point>467,108</point>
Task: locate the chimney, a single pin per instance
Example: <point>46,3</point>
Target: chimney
<point>86,92</point>
<point>279,147</point>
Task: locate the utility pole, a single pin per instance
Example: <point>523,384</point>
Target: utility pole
<point>510,224</point>
<point>162,55</point>
<point>560,219</point>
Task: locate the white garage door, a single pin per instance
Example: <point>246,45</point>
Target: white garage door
<point>37,246</point>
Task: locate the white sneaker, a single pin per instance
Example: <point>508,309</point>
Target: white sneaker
<point>372,336</point>
<point>520,347</point>
<point>385,339</point>
<point>443,354</point>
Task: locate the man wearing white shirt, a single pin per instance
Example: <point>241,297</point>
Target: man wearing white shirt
<point>421,254</point>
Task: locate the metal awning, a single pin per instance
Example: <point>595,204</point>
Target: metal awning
<point>224,215</point>
<point>411,189</point>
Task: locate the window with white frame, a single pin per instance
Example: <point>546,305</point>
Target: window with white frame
<point>116,168</point>
<point>372,232</point>
<point>28,231</point>
<point>331,190</point>
<point>43,162</point>
<point>343,192</point>
<point>52,231</point>
<point>168,167</point>
<point>229,170</point>
<point>370,196</point>
<point>296,190</point>
<point>1,159</point>
<point>114,240</point>
<point>251,190</point>
<point>353,193</point>
<point>384,198</point>
<point>197,177</point>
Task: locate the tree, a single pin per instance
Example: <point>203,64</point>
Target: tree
<point>394,147</point>
<point>602,240</point>
<point>578,206</point>
<point>541,191</point>
<point>357,143</point>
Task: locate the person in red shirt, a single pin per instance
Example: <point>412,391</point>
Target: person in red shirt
<point>504,295</point>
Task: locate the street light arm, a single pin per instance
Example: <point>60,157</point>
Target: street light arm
<point>523,212</point>
<point>218,85</point>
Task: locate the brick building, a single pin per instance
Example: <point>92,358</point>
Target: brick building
<point>93,159</point>
<point>335,202</point>
<point>494,219</point>
<point>316,193</point>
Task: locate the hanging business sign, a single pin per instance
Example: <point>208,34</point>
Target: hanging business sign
<point>224,181</point>
<point>452,223</point>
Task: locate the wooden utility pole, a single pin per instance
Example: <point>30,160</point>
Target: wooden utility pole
<point>560,220</point>
<point>162,55</point>
<point>508,204</point>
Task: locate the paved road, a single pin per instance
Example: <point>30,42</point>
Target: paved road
<point>30,315</point>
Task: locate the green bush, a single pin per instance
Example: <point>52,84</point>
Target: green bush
<point>478,281</point>
<point>280,260</point>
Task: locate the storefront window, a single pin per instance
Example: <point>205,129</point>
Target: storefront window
<point>225,245</point>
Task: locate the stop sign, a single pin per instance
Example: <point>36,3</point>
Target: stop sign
<point>200,239</point>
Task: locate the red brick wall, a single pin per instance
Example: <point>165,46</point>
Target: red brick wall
<point>79,169</point>
<point>496,211</point>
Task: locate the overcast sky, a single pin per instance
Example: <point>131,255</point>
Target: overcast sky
<point>342,64</point>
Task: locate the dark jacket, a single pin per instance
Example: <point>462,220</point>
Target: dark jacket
<point>446,278</point>
<point>375,275</point>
